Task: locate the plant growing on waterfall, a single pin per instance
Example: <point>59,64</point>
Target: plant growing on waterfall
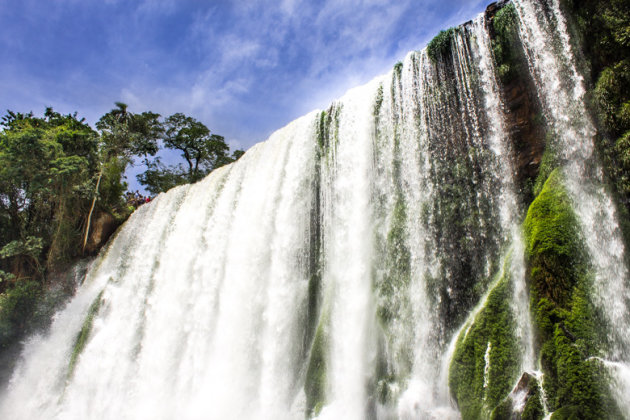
<point>565,317</point>
<point>506,46</point>
<point>440,45</point>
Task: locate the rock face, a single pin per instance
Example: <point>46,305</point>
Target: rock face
<point>523,110</point>
<point>524,402</point>
<point>526,132</point>
<point>526,388</point>
<point>103,226</point>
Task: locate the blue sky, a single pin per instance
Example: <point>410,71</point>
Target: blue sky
<point>243,68</point>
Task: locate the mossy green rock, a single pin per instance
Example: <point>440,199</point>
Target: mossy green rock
<point>576,385</point>
<point>554,247</point>
<point>486,360</point>
<point>316,378</point>
<point>84,334</point>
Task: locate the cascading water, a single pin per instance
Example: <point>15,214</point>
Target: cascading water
<point>344,267</point>
<point>544,32</point>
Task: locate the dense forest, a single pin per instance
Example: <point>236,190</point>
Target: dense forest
<point>58,176</point>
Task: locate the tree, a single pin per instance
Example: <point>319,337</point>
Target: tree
<point>46,165</point>
<point>123,135</point>
<point>202,151</point>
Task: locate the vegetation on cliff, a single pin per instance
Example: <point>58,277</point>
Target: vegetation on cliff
<point>441,44</point>
<point>567,323</point>
<point>56,172</point>
<point>506,44</point>
<point>315,385</point>
<point>485,363</point>
<point>602,29</point>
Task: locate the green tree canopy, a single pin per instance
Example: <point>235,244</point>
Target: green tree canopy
<point>201,150</point>
<point>46,167</point>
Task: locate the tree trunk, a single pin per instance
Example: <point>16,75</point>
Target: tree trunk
<point>89,220</point>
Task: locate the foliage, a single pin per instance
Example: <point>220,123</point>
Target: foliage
<point>603,30</point>
<point>440,45</point>
<point>199,148</point>
<point>31,247</point>
<point>16,307</point>
<point>159,178</point>
<point>506,46</point>
<point>316,374</point>
<point>612,97</point>
<point>45,164</point>
<point>566,319</point>
<point>477,386</point>
<point>84,334</point>
<point>124,134</point>
<point>55,171</point>
<point>202,151</point>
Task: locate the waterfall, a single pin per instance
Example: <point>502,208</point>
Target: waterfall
<point>544,32</point>
<point>342,268</point>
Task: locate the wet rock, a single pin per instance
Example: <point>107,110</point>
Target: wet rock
<point>103,226</point>
<point>524,116</point>
<point>523,403</point>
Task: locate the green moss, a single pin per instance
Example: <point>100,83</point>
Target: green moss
<point>477,386</point>
<point>506,46</point>
<point>463,220</point>
<point>439,46</point>
<point>384,386</point>
<point>393,307</point>
<point>566,319</point>
<point>397,269</point>
<point>612,97</point>
<point>533,409</point>
<point>322,134</point>
<point>328,129</point>
<point>316,374</point>
<point>554,246</point>
<point>398,69</point>
<point>378,103</point>
<point>503,411</point>
<point>548,163</point>
<point>567,413</point>
<point>84,334</point>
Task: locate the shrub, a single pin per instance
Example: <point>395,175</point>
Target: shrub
<point>441,44</point>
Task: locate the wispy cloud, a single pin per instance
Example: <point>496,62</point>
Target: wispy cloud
<point>243,68</point>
